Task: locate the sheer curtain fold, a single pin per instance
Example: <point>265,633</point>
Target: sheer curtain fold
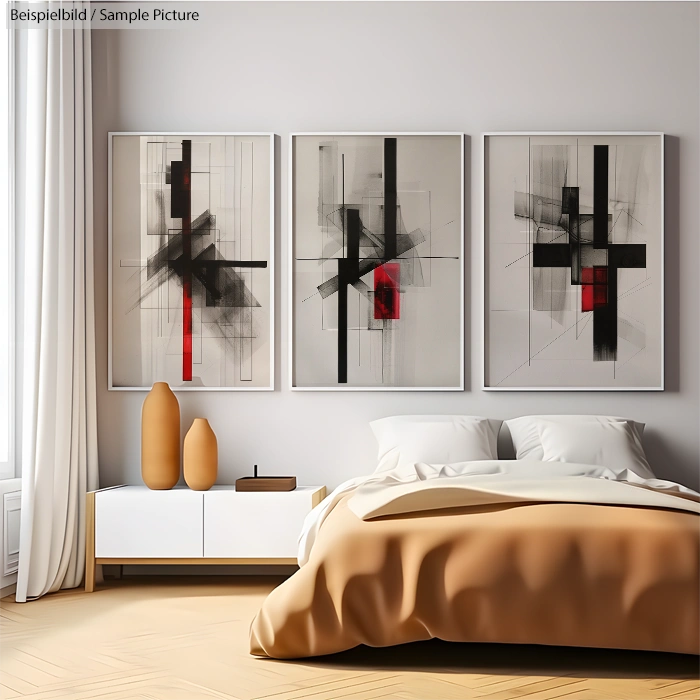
<point>59,435</point>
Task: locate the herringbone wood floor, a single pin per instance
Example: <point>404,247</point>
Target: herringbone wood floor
<point>187,639</point>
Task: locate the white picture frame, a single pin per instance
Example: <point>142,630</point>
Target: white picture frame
<point>270,138</point>
<point>459,385</point>
<point>486,382</point>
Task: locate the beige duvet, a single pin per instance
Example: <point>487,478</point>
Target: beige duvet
<point>538,573</point>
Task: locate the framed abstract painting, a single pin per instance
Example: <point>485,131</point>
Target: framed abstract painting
<point>191,230</point>
<point>574,261</point>
<point>376,261</point>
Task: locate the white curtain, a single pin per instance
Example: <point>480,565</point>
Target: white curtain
<point>58,433</point>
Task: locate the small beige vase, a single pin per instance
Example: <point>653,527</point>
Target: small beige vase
<point>160,438</point>
<point>201,456</point>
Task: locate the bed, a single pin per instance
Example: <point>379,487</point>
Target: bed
<point>505,551</point>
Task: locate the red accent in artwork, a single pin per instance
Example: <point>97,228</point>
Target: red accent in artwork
<point>594,288</point>
<point>187,262</point>
<point>187,332</point>
<point>600,296</point>
<point>386,291</point>
<point>587,297</point>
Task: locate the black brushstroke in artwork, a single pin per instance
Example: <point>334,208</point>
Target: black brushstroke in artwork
<point>405,243</point>
<point>179,197</point>
<point>600,196</point>
<point>352,217</point>
<point>390,199</point>
<point>594,260</point>
<point>343,278</point>
<point>570,209</point>
<point>365,236</point>
<point>190,256</point>
<point>348,274</point>
<point>216,275</point>
<point>350,268</point>
<point>552,254</point>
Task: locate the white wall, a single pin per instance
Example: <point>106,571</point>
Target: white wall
<point>469,67</point>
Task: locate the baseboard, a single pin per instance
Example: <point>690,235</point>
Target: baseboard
<point>8,590</point>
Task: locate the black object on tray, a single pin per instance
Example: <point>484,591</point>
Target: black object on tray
<point>266,483</point>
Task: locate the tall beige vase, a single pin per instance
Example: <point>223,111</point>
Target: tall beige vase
<point>201,456</point>
<point>160,438</point>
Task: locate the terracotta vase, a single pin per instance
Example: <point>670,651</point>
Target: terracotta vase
<point>201,456</point>
<point>160,438</point>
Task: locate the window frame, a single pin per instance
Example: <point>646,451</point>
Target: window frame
<point>8,468</point>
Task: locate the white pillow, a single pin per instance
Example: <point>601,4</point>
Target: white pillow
<point>434,439</point>
<point>606,444</point>
<point>526,436</point>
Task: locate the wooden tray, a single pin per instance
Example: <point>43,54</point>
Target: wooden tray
<point>266,483</point>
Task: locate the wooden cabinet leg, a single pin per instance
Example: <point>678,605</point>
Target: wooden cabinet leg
<point>90,543</point>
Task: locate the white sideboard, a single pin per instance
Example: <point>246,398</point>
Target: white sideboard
<point>135,525</point>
